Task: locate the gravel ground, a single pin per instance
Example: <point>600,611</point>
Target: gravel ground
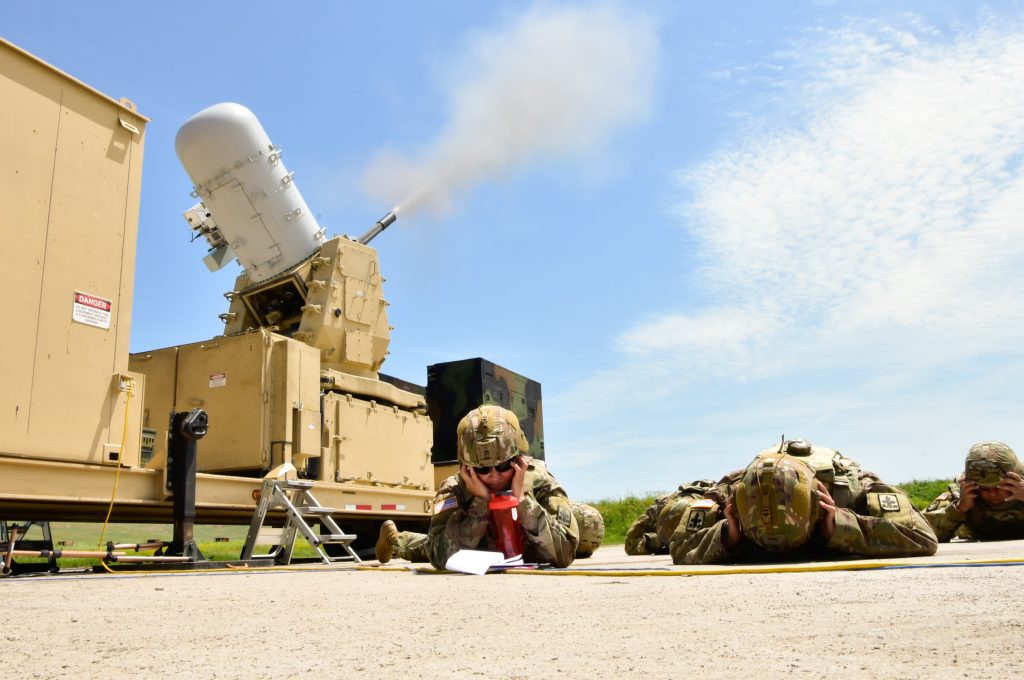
<point>944,622</point>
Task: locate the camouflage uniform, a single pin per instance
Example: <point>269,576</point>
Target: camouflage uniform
<point>650,532</point>
<point>462,521</point>
<point>873,519</point>
<point>704,511</point>
<point>982,521</point>
<point>412,546</point>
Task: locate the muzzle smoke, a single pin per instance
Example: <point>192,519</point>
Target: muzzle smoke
<point>552,84</point>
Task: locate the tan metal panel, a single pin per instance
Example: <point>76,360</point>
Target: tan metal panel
<point>226,377</point>
<point>71,187</point>
<point>160,368</point>
<point>377,444</point>
<point>362,284</point>
<point>307,434</point>
<point>29,134</point>
<point>358,347</point>
<point>294,386</point>
<point>281,405</point>
<point>307,406</point>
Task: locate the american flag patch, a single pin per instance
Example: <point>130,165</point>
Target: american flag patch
<point>449,503</point>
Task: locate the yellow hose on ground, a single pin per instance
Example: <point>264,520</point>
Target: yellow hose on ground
<point>723,571</point>
<point>771,569</point>
<point>617,573</point>
<point>226,569</point>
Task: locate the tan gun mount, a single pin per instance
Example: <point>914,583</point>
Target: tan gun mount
<point>333,301</point>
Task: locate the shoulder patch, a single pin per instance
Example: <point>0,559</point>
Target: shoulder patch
<point>696,521</point>
<point>449,503</point>
<point>564,516</point>
<point>889,502</point>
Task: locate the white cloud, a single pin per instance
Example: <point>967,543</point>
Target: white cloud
<point>866,246</point>
<point>898,206</point>
<point>552,83</point>
<point>718,330</point>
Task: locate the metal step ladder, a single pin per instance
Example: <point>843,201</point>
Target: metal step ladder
<point>296,499</point>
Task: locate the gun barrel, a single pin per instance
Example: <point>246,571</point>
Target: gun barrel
<point>382,224</point>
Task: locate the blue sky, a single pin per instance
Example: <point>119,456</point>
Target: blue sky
<point>699,227</point>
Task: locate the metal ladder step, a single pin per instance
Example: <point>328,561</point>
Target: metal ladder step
<point>295,484</point>
<point>337,538</point>
<point>315,510</point>
<point>270,536</point>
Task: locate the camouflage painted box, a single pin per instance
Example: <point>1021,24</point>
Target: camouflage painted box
<point>456,387</point>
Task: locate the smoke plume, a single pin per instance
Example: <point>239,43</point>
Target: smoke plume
<point>551,84</point>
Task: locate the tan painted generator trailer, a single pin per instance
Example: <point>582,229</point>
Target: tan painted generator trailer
<point>302,429</point>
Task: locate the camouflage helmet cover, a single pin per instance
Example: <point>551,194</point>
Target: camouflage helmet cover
<point>988,462</point>
<point>489,435</point>
<point>591,525</point>
<point>776,502</point>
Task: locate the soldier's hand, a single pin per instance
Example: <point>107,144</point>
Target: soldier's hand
<point>733,534</point>
<point>968,494</point>
<point>473,483</point>
<point>827,521</point>
<point>518,479</point>
<point>1013,483</point>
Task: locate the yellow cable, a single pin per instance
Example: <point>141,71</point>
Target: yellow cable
<point>780,569</point>
<point>619,573</point>
<point>120,453</point>
<point>717,571</point>
<point>227,569</point>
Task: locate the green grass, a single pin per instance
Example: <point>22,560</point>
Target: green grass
<point>923,491</point>
<point>86,536</point>
<point>619,513</point>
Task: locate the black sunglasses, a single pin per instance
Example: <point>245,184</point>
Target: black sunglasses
<point>500,467</point>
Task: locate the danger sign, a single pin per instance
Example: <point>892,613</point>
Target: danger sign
<point>91,310</point>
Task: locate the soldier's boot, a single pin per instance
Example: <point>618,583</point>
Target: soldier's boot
<point>385,547</point>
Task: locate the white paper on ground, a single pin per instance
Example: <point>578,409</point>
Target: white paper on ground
<point>479,561</point>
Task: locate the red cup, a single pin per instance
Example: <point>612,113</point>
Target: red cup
<point>504,509</point>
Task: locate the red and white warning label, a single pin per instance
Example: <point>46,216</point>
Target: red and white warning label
<point>218,379</point>
<point>91,310</point>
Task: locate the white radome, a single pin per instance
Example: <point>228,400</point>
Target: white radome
<point>240,177</point>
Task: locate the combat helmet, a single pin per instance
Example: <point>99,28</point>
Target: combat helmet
<point>490,435</point>
<point>591,526</point>
<point>776,502</point>
<point>988,462</point>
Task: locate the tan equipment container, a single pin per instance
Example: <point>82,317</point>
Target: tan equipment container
<point>69,186</point>
<point>262,392</point>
